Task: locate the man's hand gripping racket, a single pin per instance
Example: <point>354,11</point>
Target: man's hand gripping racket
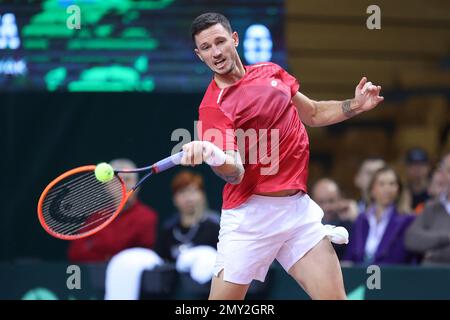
<point>76,204</point>
<point>197,152</point>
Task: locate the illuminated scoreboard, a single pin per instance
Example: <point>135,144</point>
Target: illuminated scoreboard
<point>124,45</point>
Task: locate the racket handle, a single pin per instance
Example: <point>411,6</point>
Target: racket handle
<point>168,162</point>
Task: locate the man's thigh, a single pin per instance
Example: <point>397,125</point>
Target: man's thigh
<point>319,272</point>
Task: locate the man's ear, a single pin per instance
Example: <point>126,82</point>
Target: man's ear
<point>235,37</point>
<point>198,54</point>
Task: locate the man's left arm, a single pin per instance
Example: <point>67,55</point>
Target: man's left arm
<point>323,113</point>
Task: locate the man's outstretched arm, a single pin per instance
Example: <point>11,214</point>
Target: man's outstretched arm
<point>232,171</point>
<point>227,165</point>
<point>323,113</point>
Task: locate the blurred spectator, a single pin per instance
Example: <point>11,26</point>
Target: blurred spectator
<point>437,183</point>
<point>188,240</point>
<point>337,210</point>
<point>377,235</point>
<point>430,233</point>
<point>362,179</point>
<point>435,188</point>
<point>136,226</point>
<point>417,175</point>
<point>194,224</point>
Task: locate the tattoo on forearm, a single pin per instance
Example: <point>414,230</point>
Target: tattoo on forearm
<point>232,177</point>
<point>347,109</point>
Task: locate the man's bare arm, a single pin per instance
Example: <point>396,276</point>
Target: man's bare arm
<point>232,171</point>
<point>227,165</point>
<point>323,113</point>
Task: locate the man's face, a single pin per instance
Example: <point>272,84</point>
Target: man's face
<point>130,180</point>
<point>217,48</point>
<point>446,173</point>
<point>437,184</point>
<point>417,171</point>
<point>327,197</point>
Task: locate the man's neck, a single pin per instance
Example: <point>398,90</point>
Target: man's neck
<point>226,80</point>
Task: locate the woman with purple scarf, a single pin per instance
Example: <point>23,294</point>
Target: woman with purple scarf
<point>378,233</point>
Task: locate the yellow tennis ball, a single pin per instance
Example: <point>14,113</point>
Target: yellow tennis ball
<point>104,172</point>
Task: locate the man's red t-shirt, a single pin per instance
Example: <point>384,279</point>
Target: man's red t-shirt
<point>256,116</point>
<point>136,226</point>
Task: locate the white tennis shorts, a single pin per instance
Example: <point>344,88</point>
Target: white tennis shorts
<point>263,229</point>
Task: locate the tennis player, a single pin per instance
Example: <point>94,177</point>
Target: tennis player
<point>266,212</point>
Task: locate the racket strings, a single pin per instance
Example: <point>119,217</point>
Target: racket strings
<point>86,226</point>
<point>84,199</point>
<point>82,206</point>
<point>82,181</point>
<point>76,219</point>
<point>79,179</point>
<point>79,217</point>
<point>80,203</point>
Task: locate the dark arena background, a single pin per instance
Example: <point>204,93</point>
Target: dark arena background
<point>122,82</point>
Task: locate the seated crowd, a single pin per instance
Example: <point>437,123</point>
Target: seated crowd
<point>391,223</point>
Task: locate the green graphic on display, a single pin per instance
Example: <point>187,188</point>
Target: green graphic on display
<point>39,294</point>
<point>74,45</point>
<point>50,25</point>
<point>111,78</point>
<point>55,77</point>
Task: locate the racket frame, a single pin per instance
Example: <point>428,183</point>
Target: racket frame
<point>159,166</point>
<point>82,169</point>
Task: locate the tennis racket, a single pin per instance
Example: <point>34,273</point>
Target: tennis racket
<point>76,205</point>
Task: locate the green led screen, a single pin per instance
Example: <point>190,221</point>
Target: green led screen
<point>124,45</point>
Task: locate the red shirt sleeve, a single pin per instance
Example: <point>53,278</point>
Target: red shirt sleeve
<point>290,81</point>
<point>214,126</point>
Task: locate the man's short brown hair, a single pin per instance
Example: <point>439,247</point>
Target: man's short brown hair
<point>206,20</point>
